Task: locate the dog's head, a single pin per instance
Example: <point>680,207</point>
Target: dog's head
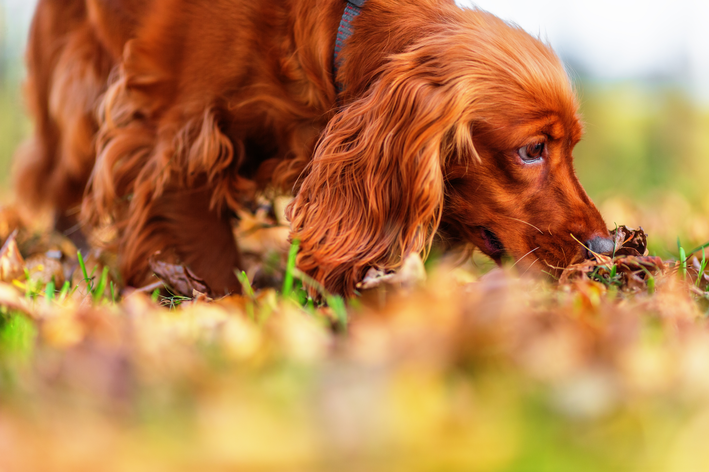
<point>473,125</point>
<point>516,191</point>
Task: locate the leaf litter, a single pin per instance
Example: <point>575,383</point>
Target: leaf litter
<point>450,370</point>
<point>627,267</point>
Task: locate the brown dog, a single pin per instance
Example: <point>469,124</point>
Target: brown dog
<point>165,116</point>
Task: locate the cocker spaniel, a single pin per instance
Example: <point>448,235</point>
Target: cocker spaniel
<point>389,120</point>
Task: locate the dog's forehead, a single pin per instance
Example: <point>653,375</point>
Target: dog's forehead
<point>556,126</point>
<point>550,108</point>
<point>507,130</point>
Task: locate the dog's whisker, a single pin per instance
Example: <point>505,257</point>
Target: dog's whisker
<point>525,222</point>
<point>566,259</point>
<point>530,266</point>
<point>553,266</point>
<point>522,258</point>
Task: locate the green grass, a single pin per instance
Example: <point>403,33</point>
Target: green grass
<point>97,290</point>
<point>171,300</point>
<point>248,292</point>
<point>682,262</point>
<point>336,303</point>
<point>685,256</point>
<point>454,373</point>
<point>699,248</point>
<point>14,128</point>
<point>17,335</point>
<point>290,267</point>
<point>64,292</point>
<point>702,267</point>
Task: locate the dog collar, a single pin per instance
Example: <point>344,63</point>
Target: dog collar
<point>352,11</point>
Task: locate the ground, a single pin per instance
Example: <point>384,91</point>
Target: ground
<point>451,368</point>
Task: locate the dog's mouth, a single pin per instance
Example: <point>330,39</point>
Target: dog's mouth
<point>492,245</point>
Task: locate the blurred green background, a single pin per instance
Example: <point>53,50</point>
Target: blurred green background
<point>644,159</point>
<point>14,124</point>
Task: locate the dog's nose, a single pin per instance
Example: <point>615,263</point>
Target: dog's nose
<point>599,245</point>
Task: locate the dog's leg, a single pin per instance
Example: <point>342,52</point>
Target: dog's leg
<point>68,70</point>
<point>181,220</point>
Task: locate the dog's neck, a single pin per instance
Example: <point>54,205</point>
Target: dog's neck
<point>352,11</point>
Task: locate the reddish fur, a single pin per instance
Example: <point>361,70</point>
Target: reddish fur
<point>214,101</point>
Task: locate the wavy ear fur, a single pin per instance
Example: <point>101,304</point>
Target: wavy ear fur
<point>375,187</point>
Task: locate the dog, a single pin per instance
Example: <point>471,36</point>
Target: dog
<point>390,121</point>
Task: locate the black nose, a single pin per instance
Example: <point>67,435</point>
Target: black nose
<point>599,245</point>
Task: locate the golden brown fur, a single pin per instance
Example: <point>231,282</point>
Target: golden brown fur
<point>212,101</point>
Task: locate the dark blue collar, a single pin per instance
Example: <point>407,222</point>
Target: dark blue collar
<point>352,11</point>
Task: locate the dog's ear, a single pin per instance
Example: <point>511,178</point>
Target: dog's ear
<point>375,187</point>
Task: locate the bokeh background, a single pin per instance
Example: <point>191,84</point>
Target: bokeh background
<point>641,69</point>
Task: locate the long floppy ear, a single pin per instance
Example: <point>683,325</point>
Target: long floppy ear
<point>375,187</point>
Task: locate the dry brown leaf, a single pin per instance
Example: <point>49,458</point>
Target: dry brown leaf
<point>11,298</point>
<point>577,271</point>
<point>653,264</point>
<point>58,245</point>
<point>45,268</point>
<point>629,242</point>
<point>12,265</point>
<point>178,277</point>
<point>411,274</point>
<point>630,260</point>
<point>260,234</point>
<point>374,278</point>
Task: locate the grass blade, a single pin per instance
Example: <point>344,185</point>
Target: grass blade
<point>682,263</point>
<point>702,268</point>
<point>650,281</point>
<point>245,284</point>
<point>101,287</point>
<point>335,302</point>
<point>82,264</point>
<point>87,279</point>
<point>248,292</point>
<point>64,292</point>
<point>288,279</point>
<point>337,305</point>
<point>699,248</point>
<point>50,291</point>
<point>17,335</point>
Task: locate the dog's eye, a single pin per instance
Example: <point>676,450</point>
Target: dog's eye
<point>531,153</point>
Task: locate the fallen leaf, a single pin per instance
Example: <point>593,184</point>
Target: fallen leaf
<point>411,274</point>
<point>260,234</point>
<point>653,264</point>
<point>45,269</point>
<point>12,265</point>
<point>576,271</point>
<point>629,242</point>
<point>178,277</point>
<point>375,278</point>
<point>11,299</point>
<point>630,261</point>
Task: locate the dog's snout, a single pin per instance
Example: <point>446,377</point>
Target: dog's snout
<point>599,245</point>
